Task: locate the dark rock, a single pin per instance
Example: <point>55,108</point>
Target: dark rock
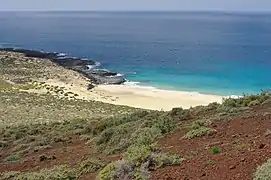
<point>43,158</point>
<point>90,86</point>
<point>232,167</point>
<point>76,64</point>
<point>73,62</point>
<point>261,146</point>
<point>102,72</point>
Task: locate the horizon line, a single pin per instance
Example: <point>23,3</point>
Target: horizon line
<point>133,11</point>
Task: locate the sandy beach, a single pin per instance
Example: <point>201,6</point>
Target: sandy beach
<point>136,96</point>
<point>156,99</point>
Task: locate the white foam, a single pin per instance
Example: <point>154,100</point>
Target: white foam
<point>234,96</point>
<point>61,54</point>
<point>91,66</point>
<point>131,83</point>
<point>94,66</point>
<point>137,85</point>
<point>117,75</point>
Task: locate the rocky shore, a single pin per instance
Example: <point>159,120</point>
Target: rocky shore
<point>96,76</point>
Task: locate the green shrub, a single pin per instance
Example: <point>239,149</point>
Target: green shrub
<point>142,172</point>
<point>264,171</point>
<point>89,166</point>
<point>116,135</point>
<point>138,154</point>
<point>215,150</point>
<point>118,170</point>
<point>180,114</point>
<point>164,124</point>
<point>246,100</point>
<point>160,159</point>
<point>197,130</point>
<point>108,172</point>
<point>13,158</point>
<point>115,139</point>
<point>146,136</point>
<point>56,173</point>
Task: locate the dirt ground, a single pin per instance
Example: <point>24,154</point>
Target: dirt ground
<point>244,144</point>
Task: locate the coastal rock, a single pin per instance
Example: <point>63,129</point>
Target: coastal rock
<point>108,79</point>
<point>73,62</point>
<point>90,86</point>
<point>31,53</point>
<point>102,72</point>
<point>96,76</point>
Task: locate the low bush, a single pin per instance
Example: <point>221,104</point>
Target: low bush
<point>138,161</point>
<point>12,158</point>
<point>145,136</point>
<point>246,100</point>
<point>89,166</point>
<point>56,173</point>
<point>197,129</point>
<point>160,159</point>
<point>143,128</point>
<point>215,150</point>
<point>180,114</point>
<point>108,172</point>
<point>138,154</point>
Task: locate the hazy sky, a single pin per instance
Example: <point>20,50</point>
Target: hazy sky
<point>224,5</point>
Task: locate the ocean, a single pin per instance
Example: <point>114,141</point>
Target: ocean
<point>214,53</point>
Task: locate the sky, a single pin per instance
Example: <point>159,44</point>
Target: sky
<point>135,5</point>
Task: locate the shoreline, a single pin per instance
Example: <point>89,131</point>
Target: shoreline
<point>77,83</point>
<point>156,99</point>
<point>135,96</point>
<point>138,97</point>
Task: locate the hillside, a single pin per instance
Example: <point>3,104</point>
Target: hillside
<point>51,132</point>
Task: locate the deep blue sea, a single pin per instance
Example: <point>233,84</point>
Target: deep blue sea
<point>217,53</point>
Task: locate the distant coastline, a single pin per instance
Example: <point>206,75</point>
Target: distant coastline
<point>86,67</point>
<point>54,78</point>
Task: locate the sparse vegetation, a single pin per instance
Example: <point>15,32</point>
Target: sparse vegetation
<point>246,100</point>
<point>89,166</point>
<point>215,150</point>
<point>197,129</point>
<point>57,173</point>
<point>12,158</point>
<point>264,171</point>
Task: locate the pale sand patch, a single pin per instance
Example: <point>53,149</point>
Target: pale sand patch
<point>156,99</point>
<point>136,96</point>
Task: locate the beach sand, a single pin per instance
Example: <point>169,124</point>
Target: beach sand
<point>135,96</point>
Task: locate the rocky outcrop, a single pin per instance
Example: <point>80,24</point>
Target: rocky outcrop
<point>96,76</point>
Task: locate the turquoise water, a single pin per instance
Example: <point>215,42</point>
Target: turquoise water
<point>215,53</point>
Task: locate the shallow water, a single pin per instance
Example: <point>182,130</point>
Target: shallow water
<point>213,53</point>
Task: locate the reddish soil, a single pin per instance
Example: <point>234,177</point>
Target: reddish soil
<point>244,144</point>
<point>65,153</point>
<point>68,154</point>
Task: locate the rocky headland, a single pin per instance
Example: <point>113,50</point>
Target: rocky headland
<point>96,76</point>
